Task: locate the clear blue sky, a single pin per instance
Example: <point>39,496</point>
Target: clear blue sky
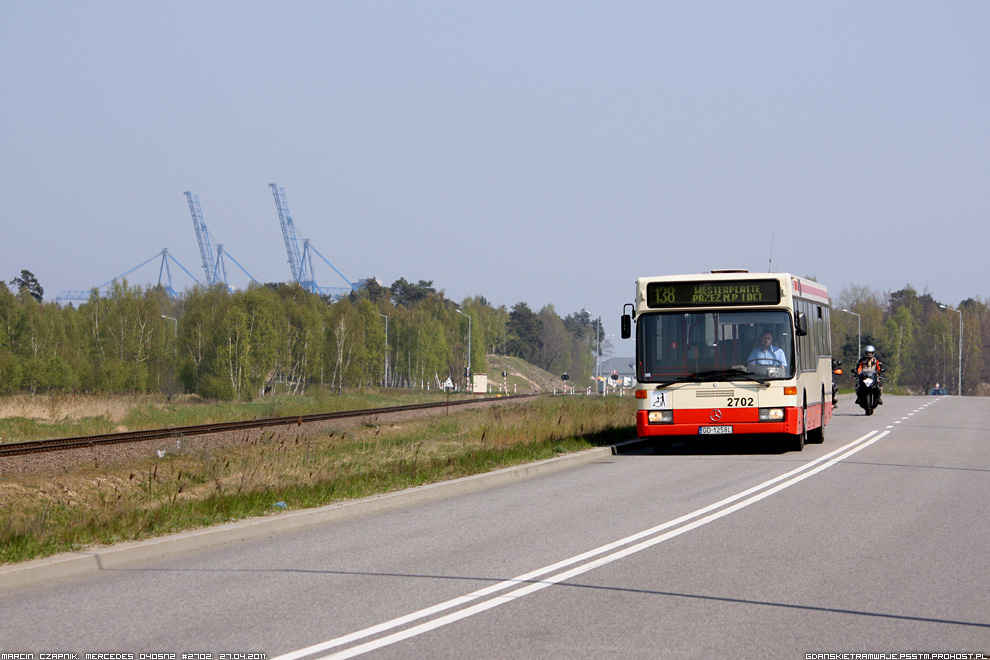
<point>546,152</point>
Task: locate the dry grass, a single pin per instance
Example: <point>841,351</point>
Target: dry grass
<point>24,418</point>
<point>50,409</point>
<point>190,487</point>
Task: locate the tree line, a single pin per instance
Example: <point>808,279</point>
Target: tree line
<point>281,338</point>
<point>273,338</point>
<point>916,337</point>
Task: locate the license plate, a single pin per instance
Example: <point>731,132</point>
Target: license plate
<point>714,430</point>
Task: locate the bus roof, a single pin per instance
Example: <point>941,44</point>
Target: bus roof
<point>791,286</point>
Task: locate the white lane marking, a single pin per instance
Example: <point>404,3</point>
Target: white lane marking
<point>792,477</point>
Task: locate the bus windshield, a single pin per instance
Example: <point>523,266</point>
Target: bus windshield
<point>714,345</point>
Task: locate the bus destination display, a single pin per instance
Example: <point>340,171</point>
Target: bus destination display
<point>694,294</point>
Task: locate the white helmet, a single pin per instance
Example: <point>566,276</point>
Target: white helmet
<point>870,350</point>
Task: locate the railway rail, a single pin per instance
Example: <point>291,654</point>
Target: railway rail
<point>60,444</point>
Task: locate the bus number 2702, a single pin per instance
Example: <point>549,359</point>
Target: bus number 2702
<point>739,402</point>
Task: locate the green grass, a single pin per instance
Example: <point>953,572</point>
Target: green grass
<point>193,488</point>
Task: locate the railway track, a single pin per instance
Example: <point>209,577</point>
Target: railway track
<point>61,444</point>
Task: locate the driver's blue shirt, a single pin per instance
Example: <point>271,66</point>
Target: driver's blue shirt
<point>774,355</point>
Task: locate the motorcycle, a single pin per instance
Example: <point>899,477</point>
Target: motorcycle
<point>837,371</point>
<point>868,389</point>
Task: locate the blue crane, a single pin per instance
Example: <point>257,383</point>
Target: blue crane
<point>215,268</point>
<point>301,263</point>
<point>222,256</point>
<point>163,270</point>
<point>203,236</point>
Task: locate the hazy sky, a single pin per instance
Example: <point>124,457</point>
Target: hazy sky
<point>546,152</point>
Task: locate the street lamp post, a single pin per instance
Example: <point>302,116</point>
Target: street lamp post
<point>468,374</point>
<point>386,347</point>
<point>598,356</point>
<point>859,333</point>
<point>598,347</point>
<point>609,377</point>
<point>958,311</point>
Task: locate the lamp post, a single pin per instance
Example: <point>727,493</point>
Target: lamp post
<point>598,348</point>
<point>958,311</point>
<point>609,377</point>
<point>468,373</point>
<point>175,334</point>
<point>859,333</point>
<point>386,347</point>
<point>598,355</point>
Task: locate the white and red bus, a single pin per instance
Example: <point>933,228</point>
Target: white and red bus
<point>732,352</point>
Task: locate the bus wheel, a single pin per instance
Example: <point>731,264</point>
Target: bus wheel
<point>817,436</point>
<point>802,436</point>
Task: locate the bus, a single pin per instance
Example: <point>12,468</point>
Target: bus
<point>731,353</point>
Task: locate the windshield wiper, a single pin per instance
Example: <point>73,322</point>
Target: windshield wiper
<point>673,379</point>
<point>730,374</point>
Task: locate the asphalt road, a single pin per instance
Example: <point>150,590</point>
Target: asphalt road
<point>874,542</point>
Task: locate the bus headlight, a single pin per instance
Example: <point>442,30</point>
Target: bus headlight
<point>771,414</point>
<point>661,417</point>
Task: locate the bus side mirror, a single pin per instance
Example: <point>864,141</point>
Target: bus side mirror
<point>626,325</point>
<point>801,325</point>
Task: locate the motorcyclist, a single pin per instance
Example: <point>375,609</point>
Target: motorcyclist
<point>871,361</point>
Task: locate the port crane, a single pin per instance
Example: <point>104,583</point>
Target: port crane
<point>164,272</point>
<point>301,261</point>
<point>214,267</point>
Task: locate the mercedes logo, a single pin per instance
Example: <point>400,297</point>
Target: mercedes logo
<point>715,415</point>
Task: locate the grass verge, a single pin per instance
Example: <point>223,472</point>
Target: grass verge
<point>283,470</point>
<point>26,418</point>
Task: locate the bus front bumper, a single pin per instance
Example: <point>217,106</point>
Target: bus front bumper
<point>722,422</point>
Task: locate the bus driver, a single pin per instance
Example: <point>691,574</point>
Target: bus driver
<point>767,353</point>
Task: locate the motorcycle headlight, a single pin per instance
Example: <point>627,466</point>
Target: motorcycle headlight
<point>868,382</point>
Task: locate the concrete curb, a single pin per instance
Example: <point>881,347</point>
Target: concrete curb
<point>103,558</point>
